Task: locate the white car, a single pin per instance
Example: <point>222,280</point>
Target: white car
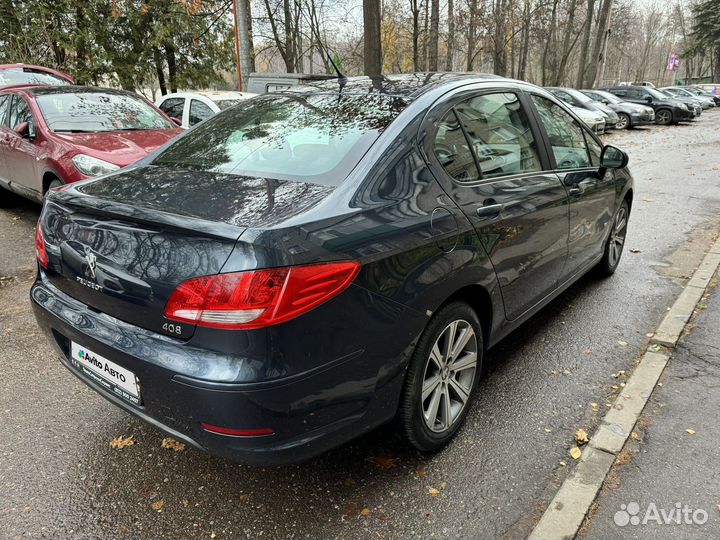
<point>193,107</point>
<point>594,120</point>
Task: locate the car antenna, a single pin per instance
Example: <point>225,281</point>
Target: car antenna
<point>342,79</point>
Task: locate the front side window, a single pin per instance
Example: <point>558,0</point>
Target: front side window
<point>199,112</point>
<point>315,138</point>
<point>80,112</point>
<point>500,134</point>
<point>4,105</point>
<point>565,134</point>
<point>173,107</point>
<point>19,112</point>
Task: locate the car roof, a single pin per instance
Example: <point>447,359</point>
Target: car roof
<point>213,95</point>
<point>43,90</point>
<point>409,85</point>
<point>37,68</point>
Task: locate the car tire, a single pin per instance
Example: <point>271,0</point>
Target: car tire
<point>624,122</point>
<point>615,242</point>
<point>663,117</point>
<point>439,387</point>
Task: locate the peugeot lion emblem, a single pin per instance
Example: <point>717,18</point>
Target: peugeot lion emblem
<point>91,263</point>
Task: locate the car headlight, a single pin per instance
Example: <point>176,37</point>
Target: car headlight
<point>684,106</point>
<point>90,166</point>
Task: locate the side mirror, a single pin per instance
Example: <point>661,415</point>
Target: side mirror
<point>613,158</point>
<point>176,121</point>
<point>605,102</point>
<point>26,130</point>
<point>648,99</point>
<point>23,129</point>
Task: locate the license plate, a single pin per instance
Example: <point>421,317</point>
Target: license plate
<point>107,373</point>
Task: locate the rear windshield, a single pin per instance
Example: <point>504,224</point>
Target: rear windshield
<point>316,138</point>
<point>93,112</point>
<point>13,76</point>
<point>227,103</point>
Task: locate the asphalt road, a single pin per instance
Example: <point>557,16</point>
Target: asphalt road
<point>60,478</point>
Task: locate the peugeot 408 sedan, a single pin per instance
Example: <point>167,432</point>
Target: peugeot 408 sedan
<point>292,273</point>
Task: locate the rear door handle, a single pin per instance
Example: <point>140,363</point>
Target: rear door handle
<point>490,210</point>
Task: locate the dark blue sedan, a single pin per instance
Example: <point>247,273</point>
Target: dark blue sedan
<point>299,270</point>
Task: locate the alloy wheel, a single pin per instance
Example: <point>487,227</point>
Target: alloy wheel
<point>617,236</point>
<point>624,121</point>
<point>449,375</point>
<point>663,117</point>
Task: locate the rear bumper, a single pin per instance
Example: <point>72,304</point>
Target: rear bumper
<point>309,412</point>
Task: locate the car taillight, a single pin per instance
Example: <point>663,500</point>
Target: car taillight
<point>40,249</point>
<point>258,298</point>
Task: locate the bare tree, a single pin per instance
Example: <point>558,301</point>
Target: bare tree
<point>372,46</point>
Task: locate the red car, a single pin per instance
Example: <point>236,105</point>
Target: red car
<point>53,135</point>
<point>25,74</point>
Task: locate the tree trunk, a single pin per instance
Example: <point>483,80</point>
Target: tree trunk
<point>81,75</point>
<point>451,37</point>
<point>566,48</point>
<point>434,35</point>
<point>582,65</point>
<point>549,42</point>
<point>499,45</point>
<point>603,19</point>
<point>415,9</point>
<point>245,45</point>
<point>371,38</point>
<point>605,37</point>
<point>157,56</point>
<point>472,34</point>
<point>424,50</point>
<point>522,67</point>
<point>172,67</point>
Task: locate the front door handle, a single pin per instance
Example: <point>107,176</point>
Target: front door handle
<point>576,190</point>
<point>490,210</point>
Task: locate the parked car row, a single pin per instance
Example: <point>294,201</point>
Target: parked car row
<point>627,106</point>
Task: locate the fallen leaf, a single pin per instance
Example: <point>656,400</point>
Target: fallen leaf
<point>563,464</point>
<point>634,435</point>
<point>594,406</point>
<point>365,512</point>
<point>349,482</point>
<point>650,334</point>
<point>575,452</point>
<point>622,343</point>
<point>443,485</point>
<point>158,505</point>
<point>169,442</point>
<point>548,430</point>
<point>581,437</point>
<point>634,250</point>
<point>384,461</point>
<point>433,492</point>
<point>421,472</point>
<point>244,498</point>
<point>122,442</point>
<point>212,534</point>
<point>567,372</point>
<point>690,431</point>
<point>185,503</point>
<point>588,351</point>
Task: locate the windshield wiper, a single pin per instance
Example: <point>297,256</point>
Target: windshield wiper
<point>74,131</point>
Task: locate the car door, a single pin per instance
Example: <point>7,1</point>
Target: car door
<point>199,111</point>
<point>486,154</point>
<point>173,107</point>
<point>5,100</point>
<point>22,152</point>
<point>575,155</point>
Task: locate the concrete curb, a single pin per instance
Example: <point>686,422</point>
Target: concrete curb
<point>566,512</point>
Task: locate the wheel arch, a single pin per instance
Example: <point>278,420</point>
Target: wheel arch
<point>480,300</point>
<point>48,176</point>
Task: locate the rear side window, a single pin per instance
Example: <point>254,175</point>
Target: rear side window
<point>500,135</point>
<point>566,136</point>
<point>316,138</point>
<point>173,107</point>
<point>199,112</point>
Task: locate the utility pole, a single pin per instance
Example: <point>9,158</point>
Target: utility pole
<point>600,71</point>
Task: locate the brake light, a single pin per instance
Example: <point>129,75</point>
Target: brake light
<point>40,249</point>
<point>258,298</point>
